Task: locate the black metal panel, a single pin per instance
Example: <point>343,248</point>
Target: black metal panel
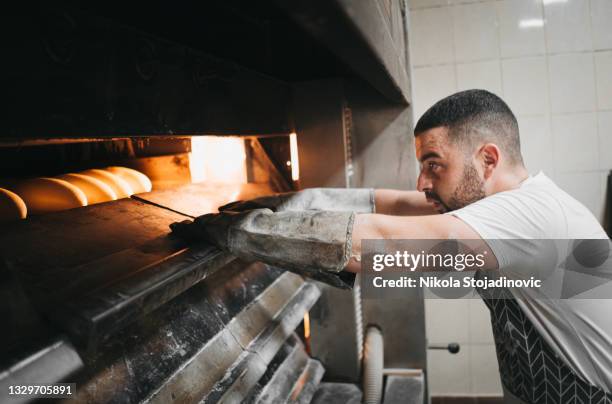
<point>335,322</point>
<point>368,36</point>
<point>73,75</point>
<point>32,351</point>
<point>93,270</point>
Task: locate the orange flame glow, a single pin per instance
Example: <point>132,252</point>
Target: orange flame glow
<point>217,159</point>
<point>295,164</point>
<point>306,325</point>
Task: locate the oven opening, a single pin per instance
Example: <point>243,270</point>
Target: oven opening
<point>44,176</point>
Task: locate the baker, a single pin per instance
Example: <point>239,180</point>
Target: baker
<point>472,185</point>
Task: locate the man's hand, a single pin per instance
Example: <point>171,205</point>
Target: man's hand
<point>186,230</point>
<point>307,240</point>
<point>215,227</point>
<point>311,243</point>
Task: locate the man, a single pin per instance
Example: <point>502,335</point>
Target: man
<point>472,185</point>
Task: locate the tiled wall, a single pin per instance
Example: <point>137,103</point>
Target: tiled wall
<point>551,60</point>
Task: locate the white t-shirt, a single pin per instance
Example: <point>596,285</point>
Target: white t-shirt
<point>578,329</point>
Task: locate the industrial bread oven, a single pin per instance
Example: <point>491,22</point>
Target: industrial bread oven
<point>211,102</point>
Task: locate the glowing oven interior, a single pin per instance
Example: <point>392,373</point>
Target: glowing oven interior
<point>54,175</point>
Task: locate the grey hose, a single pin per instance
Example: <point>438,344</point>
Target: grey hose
<point>373,357</point>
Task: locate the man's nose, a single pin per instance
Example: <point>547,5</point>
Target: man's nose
<point>423,183</point>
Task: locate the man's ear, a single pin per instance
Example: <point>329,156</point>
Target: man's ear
<point>490,155</point>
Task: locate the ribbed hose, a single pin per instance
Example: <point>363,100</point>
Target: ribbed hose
<point>358,319</point>
<point>373,355</point>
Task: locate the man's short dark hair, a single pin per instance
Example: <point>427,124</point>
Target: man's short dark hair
<point>473,117</point>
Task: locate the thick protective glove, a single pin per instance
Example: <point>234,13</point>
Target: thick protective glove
<point>312,243</point>
<point>360,200</point>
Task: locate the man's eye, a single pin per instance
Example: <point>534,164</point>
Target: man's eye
<point>432,166</point>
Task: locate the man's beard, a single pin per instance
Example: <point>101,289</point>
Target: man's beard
<point>469,190</point>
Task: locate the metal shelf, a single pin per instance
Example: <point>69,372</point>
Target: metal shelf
<point>91,271</point>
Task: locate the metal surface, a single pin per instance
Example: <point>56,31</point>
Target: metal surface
<point>320,125</point>
<point>337,393</point>
<point>375,31</point>
<point>289,372</point>
<point>32,351</point>
<point>154,320</point>
<point>47,142</point>
<point>384,157</point>
<point>383,143</point>
<point>210,343</point>
<point>198,199</point>
<point>70,262</point>
<point>382,25</point>
<point>51,363</point>
<point>83,75</point>
<point>94,270</point>
<point>242,351</point>
<point>405,389</point>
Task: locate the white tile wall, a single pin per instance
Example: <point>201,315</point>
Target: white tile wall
<point>465,1</point>
<point>431,36</point>
<point>516,40</point>
<point>601,15</point>
<point>603,197</point>
<point>557,78</point>
<point>537,144</point>
<point>416,4</point>
<point>483,75</point>
<point>475,32</point>
<point>568,26</point>
<point>603,71</point>
<point>430,84</point>
<point>484,370</point>
<point>480,323</point>
<point>446,372</point>
<point>572,83</point>
<point>585,187</point>
<point>604,131</point>
<point>525,85</point>
<point>575,142</point>
<point>447,320</point>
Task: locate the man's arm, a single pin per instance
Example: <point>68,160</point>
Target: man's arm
<point>314,240</point>
<point>402,203</point>
<point>359,200</point>
<point>376,226</point>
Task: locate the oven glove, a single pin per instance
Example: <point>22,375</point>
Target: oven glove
<point>312,243</point>
<point>360,200</point>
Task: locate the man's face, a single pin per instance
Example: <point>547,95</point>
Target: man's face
<point>449,176</point>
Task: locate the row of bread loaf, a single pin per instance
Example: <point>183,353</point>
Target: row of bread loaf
<point>67,191</point>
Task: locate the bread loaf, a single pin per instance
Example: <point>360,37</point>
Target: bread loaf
<point>137,180</point>
<point>95,190</point>
<point>12,207</point>
<point>121,187</point>
<point>42,195</point>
